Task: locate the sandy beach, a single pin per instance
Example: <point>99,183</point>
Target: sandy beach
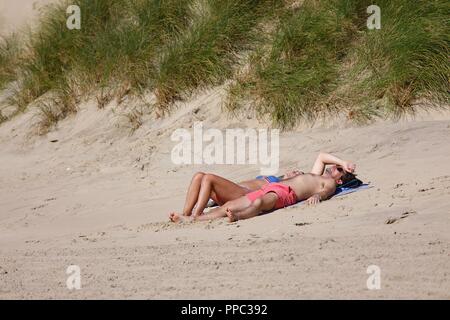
<point>93,195</point>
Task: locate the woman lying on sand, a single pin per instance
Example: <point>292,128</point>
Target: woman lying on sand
<point>242,203</point>
<point>206,186</point>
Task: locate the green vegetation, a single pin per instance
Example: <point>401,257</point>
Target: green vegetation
<point>115,48</point>
<point>9,49</point>
<point>407,59</point>
<point>323,59</point>
<point>294,79</point>
<point>204,55</point>
<point>306,59</point>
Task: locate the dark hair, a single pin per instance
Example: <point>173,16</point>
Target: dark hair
<point>349,180</point>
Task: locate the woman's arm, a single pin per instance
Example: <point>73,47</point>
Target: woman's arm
<point>323,159</point>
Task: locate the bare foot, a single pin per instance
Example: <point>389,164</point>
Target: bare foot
<point>176,217</point>
<point>231,216</point>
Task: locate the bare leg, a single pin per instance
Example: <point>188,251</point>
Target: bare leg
<point>266,202</point>
<point>221,212</point>
<point>214,210</point>
<point>192,194</point>
<point>222,188</point>
<point>176,217</point>
<point>210,215</point>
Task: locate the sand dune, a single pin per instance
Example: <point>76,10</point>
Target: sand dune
<point>98,198</point>
<point>91,194</point>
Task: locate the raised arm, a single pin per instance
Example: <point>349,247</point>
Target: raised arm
<point>325,158</point>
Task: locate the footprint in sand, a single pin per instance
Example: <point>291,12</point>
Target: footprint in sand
<point>403,216</point>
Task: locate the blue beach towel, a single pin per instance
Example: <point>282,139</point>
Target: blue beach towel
<point>344,190</point>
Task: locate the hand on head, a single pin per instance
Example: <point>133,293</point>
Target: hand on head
<point>349,166</point>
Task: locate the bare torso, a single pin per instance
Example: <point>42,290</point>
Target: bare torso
<point>308,184</point>
<point>254,184</point>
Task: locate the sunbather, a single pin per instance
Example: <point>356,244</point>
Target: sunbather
<point>318,185</point>
<point>206,186</point>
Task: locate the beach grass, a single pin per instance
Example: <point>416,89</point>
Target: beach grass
<point>290,61</point>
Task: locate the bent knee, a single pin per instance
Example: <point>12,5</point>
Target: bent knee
<point>198,175</point>
<point>208,177</point>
